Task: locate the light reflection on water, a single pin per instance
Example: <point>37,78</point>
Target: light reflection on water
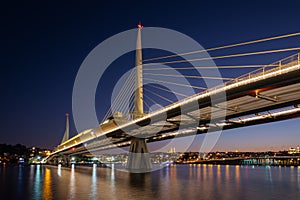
<point>47,190</point>
<point>298,177</point>
<point>59,170</point>
<point>268,174</point>
<point>94,193</point>
<point>20,181</point>
<point>72,183</point>
<point>237,177</point>
<point>173,182</point>
<point>37,183</point>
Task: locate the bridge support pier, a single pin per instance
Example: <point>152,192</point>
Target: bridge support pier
<point>139,157</point>
<point>63,160</point>
<point>53,161</point>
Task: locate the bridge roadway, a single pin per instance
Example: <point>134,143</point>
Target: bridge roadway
<point>266,95</point>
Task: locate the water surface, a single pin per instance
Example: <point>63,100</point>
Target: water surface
<point>173,182</point>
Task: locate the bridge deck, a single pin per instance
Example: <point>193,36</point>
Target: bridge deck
<point>251,99</point>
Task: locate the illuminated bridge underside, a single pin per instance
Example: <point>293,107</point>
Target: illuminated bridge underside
<point>266,97</point>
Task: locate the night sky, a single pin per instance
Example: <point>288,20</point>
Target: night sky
<point>43,44</point>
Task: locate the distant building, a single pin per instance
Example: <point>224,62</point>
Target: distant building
<point>172,150</point>
<point>292,150</point>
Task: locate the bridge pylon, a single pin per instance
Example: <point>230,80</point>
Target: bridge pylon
<point>138,96</point>
<point>66,134</point>
<point>139,158</point>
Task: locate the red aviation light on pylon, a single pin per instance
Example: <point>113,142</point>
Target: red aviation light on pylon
<point>140,26</point>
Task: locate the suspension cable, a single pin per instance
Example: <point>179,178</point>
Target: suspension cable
<point>179,84</point>
<point>227,56</point>
<point>167,90</point>
<point>121,93</point>
<point>227,46</point>
<point>206,67</point>
<point>186,76</point>
<point>129,87</point>
<point>152,100</point>
<point>122,106</point>
<point>117,103</point>
<point>147,105</point>
<point>162,97</point>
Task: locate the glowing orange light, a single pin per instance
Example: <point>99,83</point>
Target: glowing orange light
<point>256,94</point>
<point>140,26</point>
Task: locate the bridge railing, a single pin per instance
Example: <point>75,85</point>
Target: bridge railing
<point>264,70</point>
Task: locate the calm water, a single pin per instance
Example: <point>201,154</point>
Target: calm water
<point>173,182</point>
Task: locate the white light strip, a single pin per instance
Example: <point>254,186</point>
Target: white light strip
<point>275,114</point>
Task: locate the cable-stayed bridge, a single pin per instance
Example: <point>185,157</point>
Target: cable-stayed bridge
<point>268,94</point>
